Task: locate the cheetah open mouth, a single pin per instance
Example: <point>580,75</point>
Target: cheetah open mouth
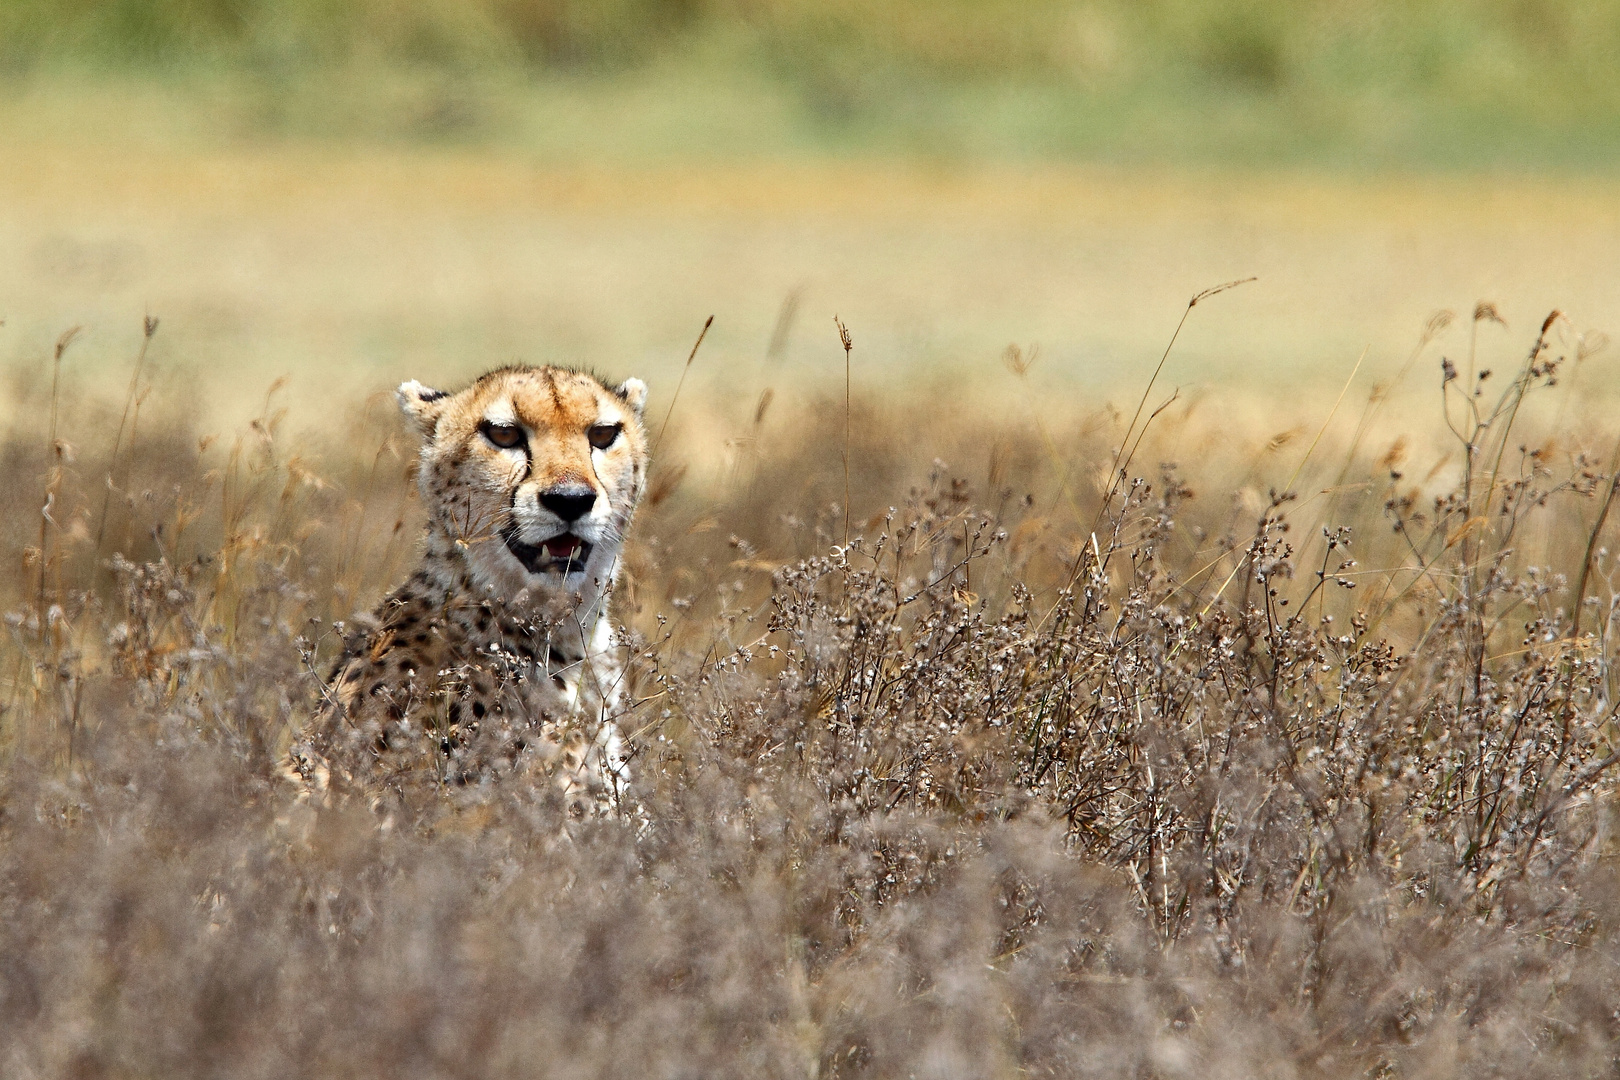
<point>565,554</point>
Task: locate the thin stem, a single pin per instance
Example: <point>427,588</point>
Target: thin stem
<point>1591,543</point>
<point>150,328</point>
<point>1147,390</point>
<point>848,344</point>
<point>1121,457</point>
<point>689,358</point>
<point>54,475</point>
<point>1323,430</point>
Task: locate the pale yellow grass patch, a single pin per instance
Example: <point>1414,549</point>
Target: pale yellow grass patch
<point>350,268</point>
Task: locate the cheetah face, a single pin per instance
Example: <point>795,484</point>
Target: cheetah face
<point>534,472</point>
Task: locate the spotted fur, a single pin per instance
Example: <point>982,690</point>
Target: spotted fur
<point>496,657</point>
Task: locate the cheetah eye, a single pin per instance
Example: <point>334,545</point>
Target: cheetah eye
<point>505,436</point>
<point>603,436</point>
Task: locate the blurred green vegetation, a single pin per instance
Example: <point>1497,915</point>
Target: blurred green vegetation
<point>1522,83</point>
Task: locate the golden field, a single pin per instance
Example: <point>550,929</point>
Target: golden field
<point>344,267</point>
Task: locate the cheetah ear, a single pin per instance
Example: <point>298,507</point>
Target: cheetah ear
<point>633,392</point>
<point>422,404</point>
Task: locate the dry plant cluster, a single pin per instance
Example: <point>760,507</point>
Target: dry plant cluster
<point>1056,768</point>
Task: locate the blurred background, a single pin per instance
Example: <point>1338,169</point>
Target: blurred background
<point>352,192</point>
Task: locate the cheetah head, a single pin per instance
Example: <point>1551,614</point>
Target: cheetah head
<point>533,473</point>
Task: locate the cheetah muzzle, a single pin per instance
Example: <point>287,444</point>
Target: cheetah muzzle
<point>561,555</point>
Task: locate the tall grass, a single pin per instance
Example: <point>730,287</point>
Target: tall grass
<point>1055,768</point>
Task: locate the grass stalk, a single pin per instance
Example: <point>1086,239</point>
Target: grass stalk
<point>53,476</point>
<point>149,328</point>
<point>848,344</point>
<point>658,441</point>
<point>1592,543</point>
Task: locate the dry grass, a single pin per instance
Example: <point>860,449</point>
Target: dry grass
<point>1053,769</point>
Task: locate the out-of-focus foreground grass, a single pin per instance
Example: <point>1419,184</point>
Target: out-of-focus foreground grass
<point>1048,758</point>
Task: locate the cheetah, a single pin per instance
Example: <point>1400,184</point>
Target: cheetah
<point>496,656</point>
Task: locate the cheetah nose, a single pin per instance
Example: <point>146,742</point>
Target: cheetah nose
<point>569,502</point>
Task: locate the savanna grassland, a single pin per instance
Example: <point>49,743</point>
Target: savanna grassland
<point>1040,687</point>
<point>1051,757</point>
